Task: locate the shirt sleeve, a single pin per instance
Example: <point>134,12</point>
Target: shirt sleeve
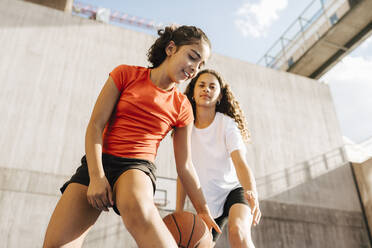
<point>233,137</point>
<point>185,116</point>
<point>120,76</point>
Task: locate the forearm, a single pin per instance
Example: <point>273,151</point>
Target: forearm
<point>246,178</point>
<point>181,196</point>
<point>191,185</point>
<point>243,171</point>
<point>93,150</point>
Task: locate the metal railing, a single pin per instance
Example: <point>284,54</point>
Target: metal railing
<point>317,18</point>
<point>107,15</point>
<point>285,179</point>
<point>268,185</point>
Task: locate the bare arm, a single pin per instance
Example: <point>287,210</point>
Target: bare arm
<point>181,196</point>
<point>187,174</point>
<point>99,191</point>
<point>244,173</point>
<point>246,179</point>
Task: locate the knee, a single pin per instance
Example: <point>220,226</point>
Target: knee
<point>236,232</point>
<point>239,234</point>
<point>136,213</point>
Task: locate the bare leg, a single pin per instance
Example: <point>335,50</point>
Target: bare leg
<point>240,222</point>
<point>72,218</point>
<point>134,199</point>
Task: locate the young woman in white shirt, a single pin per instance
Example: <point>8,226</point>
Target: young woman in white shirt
<point>218,154</point>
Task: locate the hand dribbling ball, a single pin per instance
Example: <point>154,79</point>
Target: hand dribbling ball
<point>189,230</point>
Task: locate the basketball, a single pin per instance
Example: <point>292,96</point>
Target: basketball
<point>189,230</point>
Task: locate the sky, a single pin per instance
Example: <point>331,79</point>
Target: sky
<point>246,29</point>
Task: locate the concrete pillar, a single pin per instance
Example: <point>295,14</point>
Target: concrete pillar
<point>64,5</point>
<point>363,176</point>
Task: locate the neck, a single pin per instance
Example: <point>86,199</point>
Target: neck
<point>204,116</point>
<point>160,78</point>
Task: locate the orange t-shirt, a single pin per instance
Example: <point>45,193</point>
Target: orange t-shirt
<point>143,114</point>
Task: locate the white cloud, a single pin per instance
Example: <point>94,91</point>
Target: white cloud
<point>367,43</point>
<point>351,69</point>
<point>256,19</point>
<point>350,82</point>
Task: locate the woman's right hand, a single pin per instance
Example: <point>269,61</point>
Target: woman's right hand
<point>210,222</point>
<point>252,199</point>
<point>100,193</point>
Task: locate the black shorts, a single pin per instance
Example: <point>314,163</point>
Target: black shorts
<point>235,196</point>
<point>113,167</point>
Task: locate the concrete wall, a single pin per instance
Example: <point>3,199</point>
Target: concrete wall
<point>322,212</point>
<point>27,197</point>
<point>52,68</point>
<point>65,5</point>
<point>326,191</point>
<point>294,226</point>
<point>363,176</point>
<point>292,118</point>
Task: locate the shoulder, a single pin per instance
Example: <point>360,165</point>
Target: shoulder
<point>130,69</point>
<point>228,124</point>
<point>227,120</point>
<point>125,75</point>
<point>180,98</point>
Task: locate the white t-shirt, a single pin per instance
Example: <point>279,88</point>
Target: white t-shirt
<point>211,148</point>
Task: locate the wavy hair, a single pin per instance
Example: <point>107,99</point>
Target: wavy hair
<point>228,104</point>
<point>183,35</point>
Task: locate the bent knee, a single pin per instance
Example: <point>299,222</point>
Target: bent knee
<point>239,231</point>
<point>136,212</point>
<point>133,205</point>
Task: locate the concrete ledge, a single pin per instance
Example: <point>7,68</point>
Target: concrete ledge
<point>313,215</point>
<point>293,226</point>
<point>31,182</point>
<point>363,177</point>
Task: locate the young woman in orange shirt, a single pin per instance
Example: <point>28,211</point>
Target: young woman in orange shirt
<point>136,108</point>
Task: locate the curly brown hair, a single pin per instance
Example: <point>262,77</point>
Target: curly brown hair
<point>228,105</point>
<point>183,35</point>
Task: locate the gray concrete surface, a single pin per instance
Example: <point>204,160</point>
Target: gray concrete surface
<point>323,212</point>
<point>323,49</point>
<point>52,68</point>
<point>55,64</point>
<point>294,226</point>
<point>64,5</point>
<point>275,183</point>
<point>27,197</point>
<point>363,175</point>
<point>333,190</point>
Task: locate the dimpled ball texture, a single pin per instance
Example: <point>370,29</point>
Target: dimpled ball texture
<point>189,230</point>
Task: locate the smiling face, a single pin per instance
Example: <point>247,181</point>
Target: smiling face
<point>184,62</point>
<point>207,90</point>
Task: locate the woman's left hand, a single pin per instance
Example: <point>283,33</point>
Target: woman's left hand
<point>252,199</point>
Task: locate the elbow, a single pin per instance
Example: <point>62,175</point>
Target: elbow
<point>183,168</point>
<point>95,125</point>
<point>180,171</point>
<point>94,129</point>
